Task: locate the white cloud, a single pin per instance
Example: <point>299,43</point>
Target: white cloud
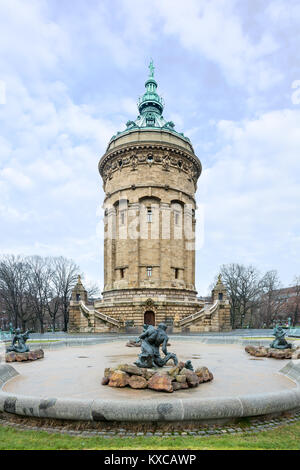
<point>252,192</point>
<point>16,178</point>
<point>215,30</point>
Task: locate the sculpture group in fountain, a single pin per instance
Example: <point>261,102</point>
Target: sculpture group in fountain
<point>18,343</point>
<point>280,341</point>
<point>152,338</point>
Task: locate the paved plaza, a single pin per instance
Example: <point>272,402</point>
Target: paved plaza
<point>76,372</point>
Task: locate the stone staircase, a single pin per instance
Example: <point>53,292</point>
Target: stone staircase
<point>205,313</point>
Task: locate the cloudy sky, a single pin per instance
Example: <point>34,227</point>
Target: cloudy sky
<point>228,70</point>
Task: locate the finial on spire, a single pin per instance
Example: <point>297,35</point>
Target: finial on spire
<point>151,68</point>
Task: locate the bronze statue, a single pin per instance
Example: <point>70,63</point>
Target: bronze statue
<point>280,341</point>
<point>152,338</point>
<point>18,343</point>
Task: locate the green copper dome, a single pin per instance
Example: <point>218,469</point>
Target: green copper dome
<point>150,107</point>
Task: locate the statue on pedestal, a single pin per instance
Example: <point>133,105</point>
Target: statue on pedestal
<point>18,343</point>
<point>152,338</point>
<point>280,341</point>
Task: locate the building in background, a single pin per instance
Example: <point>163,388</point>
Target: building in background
<point>150,174</point>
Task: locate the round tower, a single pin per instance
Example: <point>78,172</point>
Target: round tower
<point>150,174</point>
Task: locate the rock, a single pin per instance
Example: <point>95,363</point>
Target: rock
<point>181,378</point>
<point>204,374</point>
<point>280,353</point>
<point>161,383</point>
<point>180,365</point>
<point>148,373</point>
<point>118,379</point>
<point>20,357</point>
<point>136,381</point>
<point>184,385</point>
<point>133,344</point>
<point>185,371</point>
<point>10,357</point>
<point>130,369</point>
<point>40,353</point>
<point>250,350</point>
<point>108,372</point>
<point>261,351</point>
<point>174,371</point>
<point>289,354</point>
<point>104,381</point>
<point>179,386</point>
<point>26,356</point>
<point>191,377</point>
<point>176,386</point>
<point>32,355</point>
<point>296,354</point>
<point>192,380</point>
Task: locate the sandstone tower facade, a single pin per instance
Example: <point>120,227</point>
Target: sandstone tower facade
<point>150,174</point>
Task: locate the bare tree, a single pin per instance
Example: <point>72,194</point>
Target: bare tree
<point>242,283</point>
<point>40,274</point>
<point>270,308</point>
<point>65,277</point>
<point>249,291</point>
<point>14,289</point>
<point>36,290</point>
<point>93,291</point>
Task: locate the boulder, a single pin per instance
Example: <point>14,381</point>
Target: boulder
<point>161,383</point>
<point>181,378</point>
<point>136,381</point>
<point>180,365</point>
<point>191,377</point>
<point>261,351</point>
<point>130,369</point>
<point>40,353</point>
<point>32,355</point>
<point>204,374</point>
<point>296,354</point>
<point>108,372</point>
<point>280,353</point>
<point>174,371</point>
<point>10,356</point>
<point>133,344</point>
<point>25,356</point>
<point>105,381</point>
<point>250,349</point>
<point>148,373</point>
<point>20,357</point>
<point>118,379</point>
<point>176,386</point>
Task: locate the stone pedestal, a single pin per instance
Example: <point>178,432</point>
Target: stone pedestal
<point>26,356</point>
